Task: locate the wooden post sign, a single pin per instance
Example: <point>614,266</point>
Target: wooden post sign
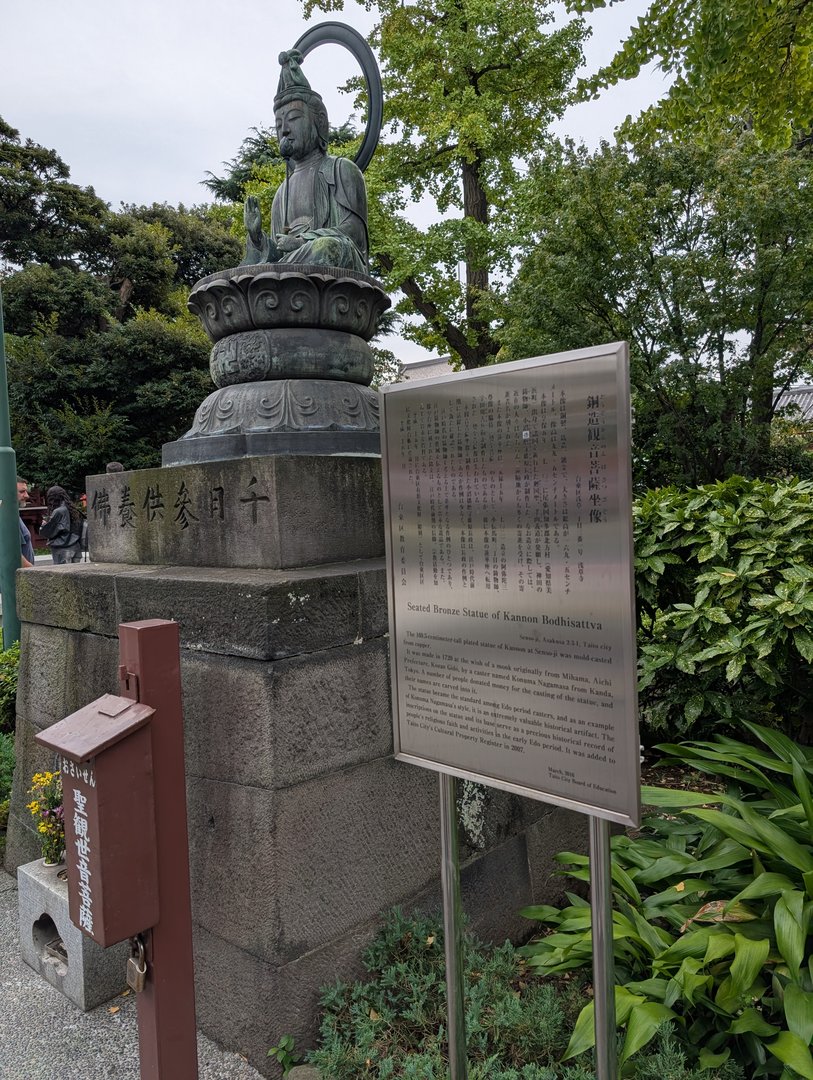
<point>106,764</point>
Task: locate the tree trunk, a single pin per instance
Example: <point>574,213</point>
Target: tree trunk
<point>762,391</point>
<point>475,206</point>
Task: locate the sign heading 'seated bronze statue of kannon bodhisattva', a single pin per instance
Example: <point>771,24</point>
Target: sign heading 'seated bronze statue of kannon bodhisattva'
<point>319,214</point>
<point>290,326</point>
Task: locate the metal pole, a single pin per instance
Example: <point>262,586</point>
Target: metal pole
<point>9,513</point>
<point>603,962</point>
<point>149,654</point>
<point>452,928</point>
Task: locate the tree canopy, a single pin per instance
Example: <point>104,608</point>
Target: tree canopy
<point>701,256</point>
<point>734,62</point>
<point>46,218</point>
<point>78,402</point>
<point>104,361</point>
<point>470,87</point>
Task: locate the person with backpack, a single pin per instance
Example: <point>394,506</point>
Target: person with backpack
<point>63,527</point>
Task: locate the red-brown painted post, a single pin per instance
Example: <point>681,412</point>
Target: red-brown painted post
<point>149,672</point>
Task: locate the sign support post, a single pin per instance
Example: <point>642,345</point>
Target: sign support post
<point>452,928</point>
<point>601,905</point>
<point>149,672</point>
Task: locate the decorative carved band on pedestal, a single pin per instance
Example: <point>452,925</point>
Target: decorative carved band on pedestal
<point>287,405</point>
<point>272,295</point>
<point>285,416</point>
<point>291,363</point>
<point>288,353</point>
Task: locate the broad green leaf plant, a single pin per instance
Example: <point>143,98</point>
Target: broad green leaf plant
<point>712,912</point>
<point>725,605</point>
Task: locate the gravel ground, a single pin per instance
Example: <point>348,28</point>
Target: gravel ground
<point>43,1036</point>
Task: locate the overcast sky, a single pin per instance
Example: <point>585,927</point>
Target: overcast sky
<point>142,97</point>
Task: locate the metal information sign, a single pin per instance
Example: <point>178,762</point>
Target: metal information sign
<point>509,544</point>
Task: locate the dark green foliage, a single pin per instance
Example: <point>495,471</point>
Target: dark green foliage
<point>9,670</point>
<point>394,1025</point>
<point>112,396</point>
<point>257,152</point>
<point>397,1019</point>
<point>141,268</point>
<point>71,302</point>
<point>105,362</point>
<point>668,1061</point>
<point>45,218</point>
<point>198,242</point>
<point>6,775</point>
<point>701,257</point>
<point>712,911</point>
<point>6,765</point>
<point>725,606</point>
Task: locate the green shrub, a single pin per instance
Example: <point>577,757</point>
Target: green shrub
<point>9,669</point>
<point>6,772</point>
<point>724,577</point>
<point>394,1024</point>
<point>6,765</point>
<point>712,913</point>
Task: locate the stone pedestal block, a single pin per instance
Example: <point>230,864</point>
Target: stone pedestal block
<point>49,942</point>
<point>302,827</point>
<point>274,512</point>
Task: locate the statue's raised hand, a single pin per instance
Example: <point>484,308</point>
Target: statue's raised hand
<point>253,219</point>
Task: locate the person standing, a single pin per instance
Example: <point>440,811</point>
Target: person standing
<point>26,547</point>
<point>63,529</point>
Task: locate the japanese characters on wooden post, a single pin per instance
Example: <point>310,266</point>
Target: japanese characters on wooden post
<point>509,542</point>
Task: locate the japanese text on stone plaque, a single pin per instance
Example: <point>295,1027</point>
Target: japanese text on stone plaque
<point>177,502</point>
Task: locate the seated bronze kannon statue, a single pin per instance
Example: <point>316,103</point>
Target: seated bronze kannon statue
<point>319,213</point>
<point>291,325</point>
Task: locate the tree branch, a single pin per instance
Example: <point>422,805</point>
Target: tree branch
<point>453,335</point>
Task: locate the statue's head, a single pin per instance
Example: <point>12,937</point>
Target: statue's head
<point>301,127</point>
<point>300,113</point>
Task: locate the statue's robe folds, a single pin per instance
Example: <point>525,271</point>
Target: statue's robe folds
<point>335,232</point>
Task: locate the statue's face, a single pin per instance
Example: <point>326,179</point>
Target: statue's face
<point>296,130</point>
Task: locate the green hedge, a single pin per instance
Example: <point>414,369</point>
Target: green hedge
<point>724,577</point>
<point>9,668</point>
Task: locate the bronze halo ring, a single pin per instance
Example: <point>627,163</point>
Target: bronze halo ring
<point>336,33</point>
